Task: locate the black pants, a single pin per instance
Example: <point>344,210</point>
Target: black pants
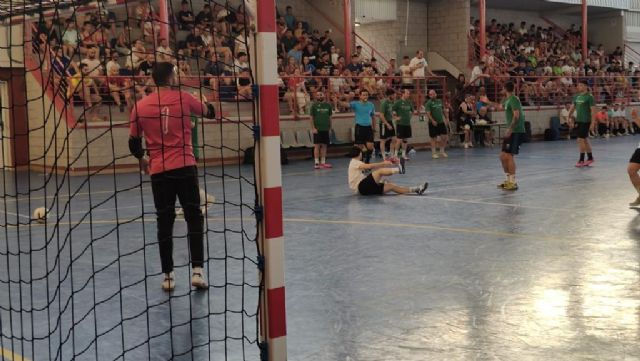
<point>183,183</point>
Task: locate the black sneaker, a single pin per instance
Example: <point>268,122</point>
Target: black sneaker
<point>422,188</point>
<point>401,166</point>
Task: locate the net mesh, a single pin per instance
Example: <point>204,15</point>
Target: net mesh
<point>80,269</point>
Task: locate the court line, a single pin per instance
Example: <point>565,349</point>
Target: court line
<point>355,223</point>
<point>497,204</point>
<point>9,355</point>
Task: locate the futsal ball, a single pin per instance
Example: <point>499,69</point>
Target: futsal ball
<point>467,126</point>
<point>482,122</point>
<point>40,214</point>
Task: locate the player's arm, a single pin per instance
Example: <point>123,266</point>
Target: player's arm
<point>593,117</point>
<point>571,118</point>
<point>312,118</point>
<point>135,141</point>
<point>202,107</point>
<point>372,166</point>
<point>384,119</point>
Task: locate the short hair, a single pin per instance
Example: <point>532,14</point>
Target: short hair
<point>405,57</point>
<point>161,73</point>
<point>509,87</point>
<point>241,54</point>
<point>390,92</point>
<point>354,152</point>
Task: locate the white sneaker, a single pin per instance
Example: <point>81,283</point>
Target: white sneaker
<point>466,145</point>
<point>197,278</point>
<point>169,283</point>
<point>435,156</point>
<point>444,155</point>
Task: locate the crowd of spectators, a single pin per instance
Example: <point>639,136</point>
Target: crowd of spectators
<point>546,64</point>
<point>98,56</point>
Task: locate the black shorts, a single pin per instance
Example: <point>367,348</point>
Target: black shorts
<point>583,130</point>
<point>512,143</point>
<point>322,137</point>
<point>364,134</point>
<point>437,130</point>
<point>407,87</point>
<point>403,131</point>
<point>369,187</point>
<point>386,133</point>
<point>602,129</point>
<point>635,158</point>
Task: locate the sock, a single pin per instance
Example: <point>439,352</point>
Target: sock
<point>507,176</point>
<point>323,160</point>
<point>395,153</point>
<point>590,156</point>
<point>317,161</point>
<point>414,189</point>
<point>582,157</point>
<point>395,170</point>
<point>512,178</point>
<point>404,153</point>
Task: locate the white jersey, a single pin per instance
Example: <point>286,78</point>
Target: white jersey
<point>355,174</point>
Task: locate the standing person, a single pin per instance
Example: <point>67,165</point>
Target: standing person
<point>437,125</point>
<point>373,184</point>
<point>320,112</point>
<point>514,136</point>
<point>387,130</point>
<point>402,113</point>
<point>418,67</point>
<point>364,113</point>
<point>584,105</point>
<point>163,118</point>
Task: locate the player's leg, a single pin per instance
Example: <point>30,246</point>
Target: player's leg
<point>164,199</point>
<point>316,152</point>
<point>189,196</point>
<point>323,155</point>
<point>632,170</point>
<point>383,140</point>
<point>433,135</point>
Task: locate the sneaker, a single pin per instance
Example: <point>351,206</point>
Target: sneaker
<point>580,164</point>
<point>466,145</point>
<point>401,166</point>
<point>317,166</point>
<point>435,156</point>
<point>635,203</point>
<point>422,188</point>
<point>169,283</point>
<point>394,160</point>
<point>326,165</point>
<point>444,155</point>
<point>588,162</point>
<point>197,280</point>
<point>503,184</point>
<point>510,186</point>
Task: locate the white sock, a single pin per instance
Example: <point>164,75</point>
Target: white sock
<point>395,170</point>
<point>323,160</point>
<point>197,270</point>
<point>414,189</point>
<point>507,176</point>
<point>395,153</point>
<point>404,153</point>
<point>317,161</point>
<point>512,178</point>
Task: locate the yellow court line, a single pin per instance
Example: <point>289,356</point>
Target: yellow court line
<point>9,355</point>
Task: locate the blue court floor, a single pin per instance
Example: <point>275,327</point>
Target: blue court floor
<point>465,272</point>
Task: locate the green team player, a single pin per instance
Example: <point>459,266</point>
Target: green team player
<point>514,135</point>
<point>321,112</point>
<point>402,113</point>
<point>387,130</point>
<point>437,125</point>
<point>584,105</point>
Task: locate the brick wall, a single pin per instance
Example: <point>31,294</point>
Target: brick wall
<point>447,30</point>
<point>383,36</point>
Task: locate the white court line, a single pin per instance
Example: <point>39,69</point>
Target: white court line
<point>496,204</point>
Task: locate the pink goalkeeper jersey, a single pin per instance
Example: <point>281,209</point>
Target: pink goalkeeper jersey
<point>163,118</point>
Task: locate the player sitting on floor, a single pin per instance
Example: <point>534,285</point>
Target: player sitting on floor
<point>373,184</point>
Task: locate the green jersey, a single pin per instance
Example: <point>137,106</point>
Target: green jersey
<point>434,106</point>
<point>404,110</point>
<point>510,105</point>
<point>583,104</point>
<point>387,110</point>
<point>321,115</point>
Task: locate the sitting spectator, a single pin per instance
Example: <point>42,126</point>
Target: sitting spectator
<point>123,42</point>
<point>308,67</point>
<point>164,51</point>
<point>116,87</point>
<point>296,95</point>
<point>602,119</point>
<point>136,55</point>
<point>70,38</point>
<point>214,71</point>
<point>299,30</point>
<point>194,42</point>
<point>244,88</point>
<point>287,42</point>
<point>241,62</point>
<point>467,119</point>
<point>205,17</point>
<point>146,65</point>
<point>355,66</point>
<point>186,20</point>
<point>296,53</point>
<point>325,42</point>
<point>484,131</point>
<point>184,68</point>
<point>94,66</point>
<point>113,66</point>
<point>87,90</point>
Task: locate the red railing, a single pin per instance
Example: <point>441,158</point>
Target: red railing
<point>573,40</point>
<point>474,55</point>
<point>373,52</point>
<point>558,90</point>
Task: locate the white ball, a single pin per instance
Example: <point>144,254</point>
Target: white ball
<point>467,126</point>
<point>40,214</point>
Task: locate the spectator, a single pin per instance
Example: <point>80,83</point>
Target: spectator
<point>213,71</point>
<point>116,86</point>
<point>308,67</point>
<point>70,38</point>
<point>113,66</point>
<point>85,87</point>
<point>325,42</point>
<point>184,69</point>
<point>478,75</point>
<point>289,19</point>
<point>299,29</point>
<point>195,45</point>
<point>419,67</point>
<point>288,41</point>
<point>145,66</point>
<point>566,118</point>
<point>244,88</point>
<point>205,17</point>
<point>164,51</point>
<point>296,53</point>
<point>335,54</point>
<point>136,55</point>
<point>241,62</point>
<point>94,67</point>
<point>354,66</point>
<point>405,71</point>
<point>186,19</point>
<point>123,43</point>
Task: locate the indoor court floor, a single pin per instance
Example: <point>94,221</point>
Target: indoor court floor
<point>465,272</point>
